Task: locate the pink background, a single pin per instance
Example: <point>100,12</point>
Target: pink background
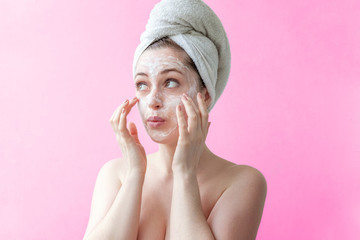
<point>291,109</point>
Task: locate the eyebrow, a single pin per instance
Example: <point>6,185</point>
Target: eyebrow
<point>162,72</point>
<point>171,70</point>
<point>140,74</point>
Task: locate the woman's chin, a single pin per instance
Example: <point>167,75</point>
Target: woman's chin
<point>163,137</point>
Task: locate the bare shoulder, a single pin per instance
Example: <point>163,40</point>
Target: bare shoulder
<point>109,165</point>
<point>248,175</point>
<point>244,175</point>
<point>114,168</point>
<point>249,181</point>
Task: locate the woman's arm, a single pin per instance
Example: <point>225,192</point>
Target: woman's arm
<point>120,219</point>
<point>117,217</point>
<point>187,220</point>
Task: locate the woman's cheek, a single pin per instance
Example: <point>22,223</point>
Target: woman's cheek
<point>172,103</point>
<point>142,107</point>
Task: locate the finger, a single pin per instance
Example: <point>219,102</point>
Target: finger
<point>117,111</point>
<point>193,117</point>
<point>122,124</point>
<point>114,113</point>
<point>127,108</point>
<point>181,121</point>
<point>207,130</point>
<point>132,103</point>
<point>133,132</point>
<point>124,112</point>
<point>115,119</point>
<point>204,112</point>
<point>196,109</point>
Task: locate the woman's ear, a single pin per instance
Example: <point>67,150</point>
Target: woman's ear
<point>207,97</point>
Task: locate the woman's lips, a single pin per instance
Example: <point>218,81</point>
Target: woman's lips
<point>155,121</point>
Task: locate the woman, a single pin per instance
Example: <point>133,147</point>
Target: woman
<point>183,191</point>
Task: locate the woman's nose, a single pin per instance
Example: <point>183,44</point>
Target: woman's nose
<point>155,100</point>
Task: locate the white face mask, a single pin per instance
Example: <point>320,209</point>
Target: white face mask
<point>161,79</point>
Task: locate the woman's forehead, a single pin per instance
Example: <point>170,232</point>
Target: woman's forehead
<point>162,55</point>
<point>151,56</point>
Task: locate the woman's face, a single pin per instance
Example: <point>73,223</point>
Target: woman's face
<point>161,77</point>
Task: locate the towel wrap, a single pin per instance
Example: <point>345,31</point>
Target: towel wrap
<point>194,27</point>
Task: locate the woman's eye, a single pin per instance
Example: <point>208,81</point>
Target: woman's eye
<point>141,86</point>
<point>171,83</point>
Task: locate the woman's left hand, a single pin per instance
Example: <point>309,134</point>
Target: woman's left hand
<point>192,134</point>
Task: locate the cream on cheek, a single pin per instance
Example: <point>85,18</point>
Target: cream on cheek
<point>157,95</point>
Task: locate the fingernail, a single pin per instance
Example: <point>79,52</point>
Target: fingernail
<point>179,107</point>
<point>126,101</point>
<point>135,98</point>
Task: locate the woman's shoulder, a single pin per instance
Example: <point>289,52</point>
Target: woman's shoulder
<point>247,171</point>
<point>250,177</point>
<point>242,182</point>
<point>241,174</point>
<point>114,168</point>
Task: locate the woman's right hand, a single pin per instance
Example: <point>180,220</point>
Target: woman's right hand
<point>132,150</point>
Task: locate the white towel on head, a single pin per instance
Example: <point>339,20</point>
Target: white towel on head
<point>196,28</point>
